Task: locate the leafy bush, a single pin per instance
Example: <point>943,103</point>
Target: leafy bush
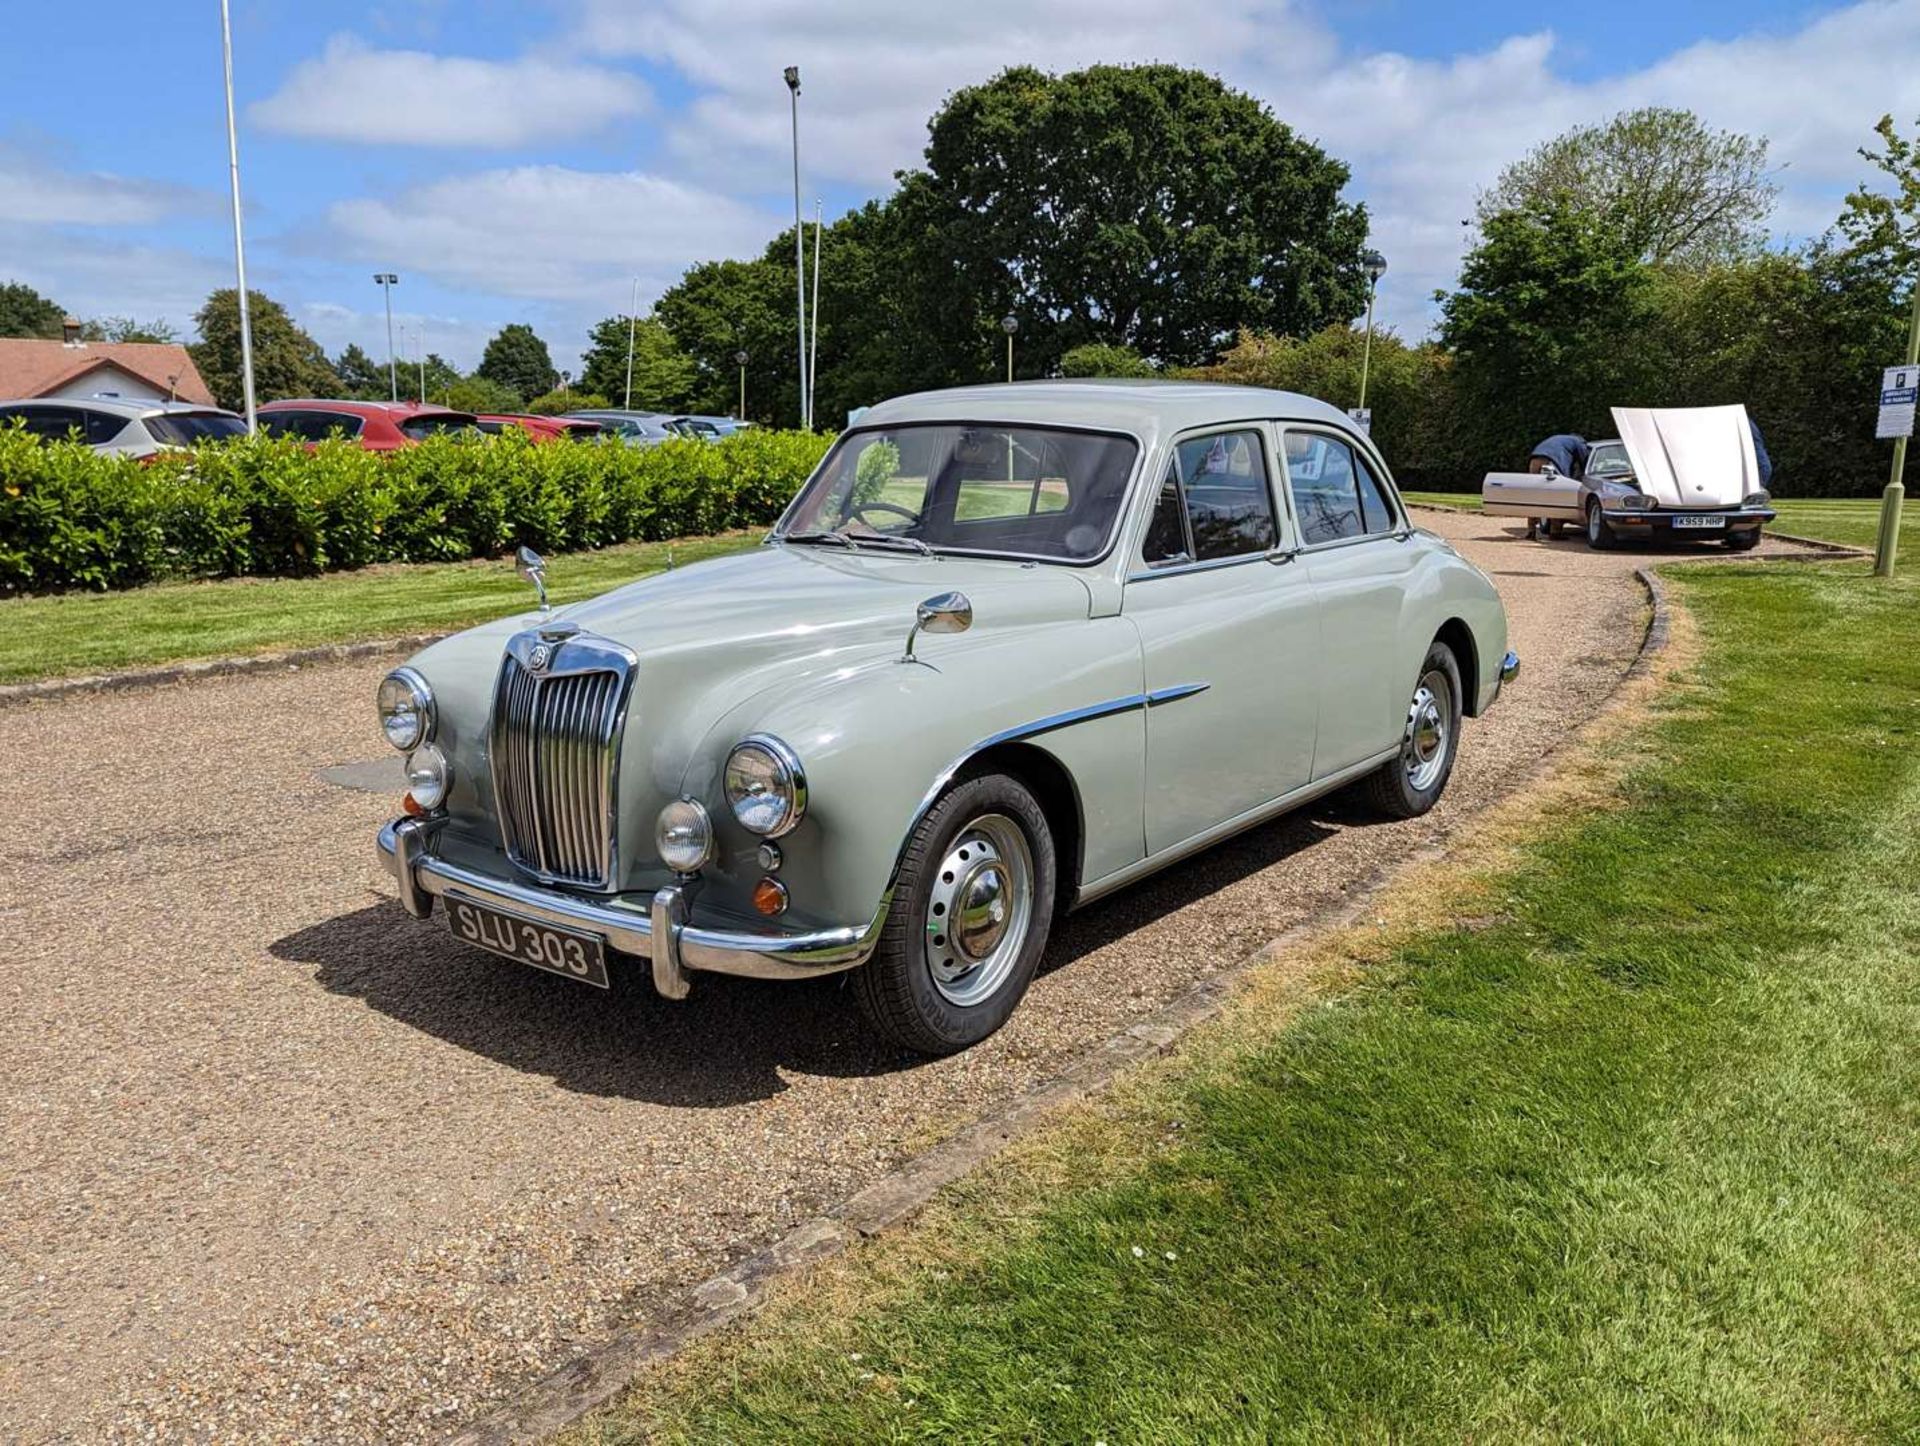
<point>71,518</point>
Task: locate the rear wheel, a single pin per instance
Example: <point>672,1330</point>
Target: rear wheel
<point>971,911</point>
<point>1412,782</point>
<point>1599,536</point>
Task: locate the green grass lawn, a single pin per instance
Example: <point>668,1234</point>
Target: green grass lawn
<point>1852,520</point>
<point>1633,1156</point>
<point>73,633</point>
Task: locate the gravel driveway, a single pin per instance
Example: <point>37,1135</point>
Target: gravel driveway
<point>278,1162</point>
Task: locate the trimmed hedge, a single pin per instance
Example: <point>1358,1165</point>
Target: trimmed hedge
<point>71,518</point>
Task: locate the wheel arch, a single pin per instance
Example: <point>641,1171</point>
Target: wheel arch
<point>1455,633</point>
<point>1053,785</point>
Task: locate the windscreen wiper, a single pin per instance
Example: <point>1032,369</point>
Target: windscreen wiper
<point>896,539</point>
<point>830,535</point>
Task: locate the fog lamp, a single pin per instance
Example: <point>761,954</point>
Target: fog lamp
<point>429,776</point>
<point>684,836</point>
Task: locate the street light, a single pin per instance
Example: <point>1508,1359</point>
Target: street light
<point>239,244</point>
<point>633,319</point>
<point>799,245</point>
<point>1009,324</point>
<point>386,280</point>
<point>1375,265</point>
<point>740,360</point>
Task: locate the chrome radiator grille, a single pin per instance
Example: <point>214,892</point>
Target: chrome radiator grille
<point>553,752</point>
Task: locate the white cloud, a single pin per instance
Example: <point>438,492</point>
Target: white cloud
<point>410,97</point>
<point>1423,136</point>
<point>550,233</point>
<point>35,193</point>
<point>456,339</point>
<point>96,276</point>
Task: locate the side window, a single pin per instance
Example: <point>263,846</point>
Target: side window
<point>1229,504</point>
<point>1167,530</point>
<point>103,427</point>
<point>1334,490</point>
<point>282,424</point>
<point>1375,510</point>
<point>54,424</point>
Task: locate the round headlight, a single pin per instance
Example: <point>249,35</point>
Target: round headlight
<point>765,786</point>
<point>429,776</point>
<point>406,709</point>
<point>684,836</point>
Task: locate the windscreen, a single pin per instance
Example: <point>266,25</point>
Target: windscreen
<point>183,429</point>
<point>1017,491</point>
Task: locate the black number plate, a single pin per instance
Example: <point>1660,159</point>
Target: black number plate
<point>558,951</point>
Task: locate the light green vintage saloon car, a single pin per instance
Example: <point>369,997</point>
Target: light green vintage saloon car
<point>1010,649</point>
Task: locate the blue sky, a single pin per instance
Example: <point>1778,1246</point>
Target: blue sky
<point>528,161</point>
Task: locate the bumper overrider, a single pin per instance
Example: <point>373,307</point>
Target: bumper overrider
<point>658,931</point>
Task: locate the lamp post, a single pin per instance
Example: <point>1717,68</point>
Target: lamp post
<point>799,246</point>
<point>633,320</point>
<point>239,244</point>
<point>423,363</point>
<point>1375,265</point>
<point>740,360</point>
<point>1009,324</point>
<point>385,280</point>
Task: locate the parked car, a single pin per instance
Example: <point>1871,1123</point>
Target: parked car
<point>541,429</point>
<point>696,427</point>
<point>1673,474</point>
<point>117,424</point>
<point>636,429</point>
<point>1010,649</point>
<point>376,426</point>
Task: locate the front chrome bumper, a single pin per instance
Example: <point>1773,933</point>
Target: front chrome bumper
<point>659,932</point>
<point>1661,518</point>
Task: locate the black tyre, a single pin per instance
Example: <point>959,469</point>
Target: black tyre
<point>1413,780</point>
<point>1743,541</point>
<point>971,911</point>
<point>1599,536</point>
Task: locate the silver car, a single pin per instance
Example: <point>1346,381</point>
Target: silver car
<point>115,424</point>
<point>1010,649</point>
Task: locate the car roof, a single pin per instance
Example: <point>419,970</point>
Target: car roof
<point>119,406</point>
<point>366,409</point>
<point>1137,407</point>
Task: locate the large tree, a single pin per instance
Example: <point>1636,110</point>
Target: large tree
<point>720,308</point>
<point>663,374</point>
<point>1147,206</point>
<point>1886,228</point>
<point>516,358</point>
<point>286,361</point>
<point>361,376</point>
<point>25,312</point>
<point>1547,328</point>
<point>1682,194</point>
<point>127,328</point>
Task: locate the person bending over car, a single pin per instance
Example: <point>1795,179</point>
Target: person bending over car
<point>1567,454</point>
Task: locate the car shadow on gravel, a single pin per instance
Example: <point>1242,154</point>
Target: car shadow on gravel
<point>730,1042</point>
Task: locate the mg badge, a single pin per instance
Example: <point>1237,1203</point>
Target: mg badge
<point>538,659</point>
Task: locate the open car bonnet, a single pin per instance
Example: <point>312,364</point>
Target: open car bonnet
<point>1690,456</point>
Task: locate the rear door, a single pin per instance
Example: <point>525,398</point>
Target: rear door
<point>1229,636</point>
<point>1355,550</point>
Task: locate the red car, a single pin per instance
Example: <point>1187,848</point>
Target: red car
<point>376,426</point>
<point>541,429</point>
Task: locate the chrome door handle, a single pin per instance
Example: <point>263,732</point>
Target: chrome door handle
<point>1278,555</point>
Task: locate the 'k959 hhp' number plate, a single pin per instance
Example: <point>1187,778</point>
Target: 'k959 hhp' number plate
<point>559,951</point>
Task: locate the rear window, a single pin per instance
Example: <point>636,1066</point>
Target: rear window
<point>183,429</point>
<point>436,424</point>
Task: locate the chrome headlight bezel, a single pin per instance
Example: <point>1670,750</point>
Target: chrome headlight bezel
<point>1636,502</point>
<point>766,786</point>
<point>404,693</point>
<point>683,836</point>
<point>429,777</point>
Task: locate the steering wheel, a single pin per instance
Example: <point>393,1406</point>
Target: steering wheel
<point>858,512</point>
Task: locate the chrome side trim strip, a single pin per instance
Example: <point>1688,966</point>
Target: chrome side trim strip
<point>1240,823</point>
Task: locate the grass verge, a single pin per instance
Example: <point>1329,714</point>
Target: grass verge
<point>1854,521</point>
<point>1629,1154</point>
<point>75,633</point>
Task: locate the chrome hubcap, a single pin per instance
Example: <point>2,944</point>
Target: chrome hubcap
<point>980,909</point>
<point>1429,728</point>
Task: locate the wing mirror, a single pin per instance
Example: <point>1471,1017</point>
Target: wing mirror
<point>947,612</point>
<point>533,567</point>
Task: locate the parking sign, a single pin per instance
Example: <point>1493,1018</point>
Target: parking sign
<point>1899,386</point>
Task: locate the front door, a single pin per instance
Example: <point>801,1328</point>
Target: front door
<point>1354,548</point>
<point>1230,636</point>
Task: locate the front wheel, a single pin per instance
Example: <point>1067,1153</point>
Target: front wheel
<point>1743,541</point>
<point>1412,782</point>
<point>1599,536</point>
<point>971,911</point>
